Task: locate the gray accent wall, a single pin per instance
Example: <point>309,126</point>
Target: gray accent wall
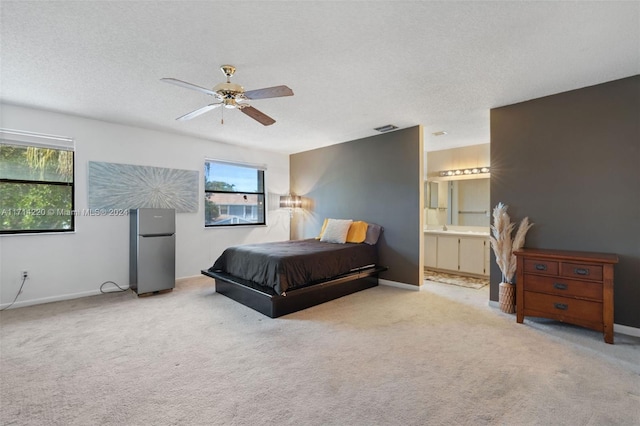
<point>571,162</point>
<point>378,179</point>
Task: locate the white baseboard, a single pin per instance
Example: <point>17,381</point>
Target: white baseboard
<point>31,302</point>
<point>625,329</point>
<point>70,296</point>
<point>617,328</point>
<point>399,285</point>
<point>182,279</point>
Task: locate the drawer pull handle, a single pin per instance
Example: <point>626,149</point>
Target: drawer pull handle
<point>560,286</point>
<point>561,306</point>
<point>581,271</point>
<point>541,267</point>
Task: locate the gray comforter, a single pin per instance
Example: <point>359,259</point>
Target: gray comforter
<point>287,265</point>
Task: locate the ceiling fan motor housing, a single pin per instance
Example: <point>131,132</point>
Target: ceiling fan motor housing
<point>228,88</point>
<point>229,94</point>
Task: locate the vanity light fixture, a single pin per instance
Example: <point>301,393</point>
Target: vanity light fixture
<point>439,133</point>
<point>459,172</point>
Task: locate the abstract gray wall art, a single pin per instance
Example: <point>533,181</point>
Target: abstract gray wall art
<point>125,186</point>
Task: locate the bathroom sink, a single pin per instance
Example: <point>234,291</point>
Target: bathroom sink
<point>458,232</point>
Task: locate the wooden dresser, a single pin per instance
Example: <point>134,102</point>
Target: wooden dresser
<point>568,286</point>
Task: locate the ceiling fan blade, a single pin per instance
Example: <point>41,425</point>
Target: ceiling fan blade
<point>188,85</point>
<point>269,92</point>
<point>198,112</point>
<point>258,116</point>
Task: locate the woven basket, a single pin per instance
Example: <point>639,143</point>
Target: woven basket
<point>507,298</point>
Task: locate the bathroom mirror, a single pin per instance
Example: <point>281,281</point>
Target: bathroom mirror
<point>458,202</point>
<point>432,195</point>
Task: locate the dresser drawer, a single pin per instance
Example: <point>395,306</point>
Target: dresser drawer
<point>541,266</point>
<point>562,308</point>
<point>582,271</point>
<point>563,287</point>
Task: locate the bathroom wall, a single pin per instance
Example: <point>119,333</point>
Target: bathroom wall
<point>457,158</point>
<point>472,195</point>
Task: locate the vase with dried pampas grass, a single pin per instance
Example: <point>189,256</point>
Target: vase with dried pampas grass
<point>503,247</point>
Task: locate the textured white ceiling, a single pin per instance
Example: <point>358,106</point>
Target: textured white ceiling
<point>352,65</point>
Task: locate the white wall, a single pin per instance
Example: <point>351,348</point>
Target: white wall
<point>65,266</point>
<point>457,158</point>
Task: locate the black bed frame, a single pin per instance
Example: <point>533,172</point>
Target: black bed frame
<point>267,302</point>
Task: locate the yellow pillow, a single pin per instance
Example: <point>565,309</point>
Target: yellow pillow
<point>324,226</point>
<point>357,232</point>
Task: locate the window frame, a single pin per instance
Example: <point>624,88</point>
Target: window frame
<point>261,170</point>
<point>20,138</point>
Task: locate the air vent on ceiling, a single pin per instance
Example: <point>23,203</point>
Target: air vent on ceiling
<point>386,128</point>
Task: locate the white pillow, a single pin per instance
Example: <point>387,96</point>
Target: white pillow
<point>336,231</point>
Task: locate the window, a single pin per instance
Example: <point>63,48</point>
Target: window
<point>233,194</point>
<point>36,183</point>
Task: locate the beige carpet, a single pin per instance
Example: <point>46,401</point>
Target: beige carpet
<point>384,356</point>
<point>459,280</point>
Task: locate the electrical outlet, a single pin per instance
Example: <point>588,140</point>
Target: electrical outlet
<point>24,275</point>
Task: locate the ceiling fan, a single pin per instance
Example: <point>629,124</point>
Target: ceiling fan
<point>231,95</point>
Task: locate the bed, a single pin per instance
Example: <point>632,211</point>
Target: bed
<point>283,277</point>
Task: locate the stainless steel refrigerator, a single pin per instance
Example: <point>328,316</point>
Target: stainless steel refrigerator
<point>152,248</point>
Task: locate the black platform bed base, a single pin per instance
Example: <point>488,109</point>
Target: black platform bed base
<point>267,302</point>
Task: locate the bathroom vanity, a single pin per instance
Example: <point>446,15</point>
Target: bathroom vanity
<point>457,251</point>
